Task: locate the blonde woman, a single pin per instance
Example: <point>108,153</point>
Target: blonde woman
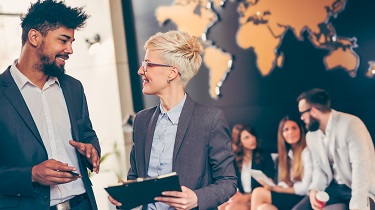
<point>180,135</point>
<point>295,170</point>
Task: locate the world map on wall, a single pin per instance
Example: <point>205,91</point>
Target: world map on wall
<point>262,26</point>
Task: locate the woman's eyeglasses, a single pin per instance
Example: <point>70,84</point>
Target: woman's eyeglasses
<point>146,64</point>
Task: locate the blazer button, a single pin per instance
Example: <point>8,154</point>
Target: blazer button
<point>45,197</point>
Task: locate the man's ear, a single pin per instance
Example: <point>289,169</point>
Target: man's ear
<point>314,112</point>
<point>33,37</point>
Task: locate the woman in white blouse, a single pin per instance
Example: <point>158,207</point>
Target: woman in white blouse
<point>295,170</point>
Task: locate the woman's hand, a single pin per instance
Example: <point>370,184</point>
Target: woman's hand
<point>187,199</point>
<point>272,188</point>
<point>265,185</point>
<point>113,201</point>
<point>240,198</point>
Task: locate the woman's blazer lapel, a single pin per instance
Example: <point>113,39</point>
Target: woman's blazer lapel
<point>149,138</point>
<point>183,124</point>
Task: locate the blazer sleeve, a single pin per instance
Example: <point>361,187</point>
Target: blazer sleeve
<point>222,170</point>
<point>319,177</point>
<point>132,173</point>
<point>89,135</point>
<point>359,146</point>
<point>86,131</point>
<point>238,174</point>
<point>301,188</point>
<point>268,165</point>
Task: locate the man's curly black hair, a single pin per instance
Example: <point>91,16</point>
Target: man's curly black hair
<point>49,15</point>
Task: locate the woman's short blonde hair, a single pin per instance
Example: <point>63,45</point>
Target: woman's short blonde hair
<point>178,49</point>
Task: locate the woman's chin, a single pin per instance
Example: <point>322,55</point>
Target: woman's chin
<point>146,92</point>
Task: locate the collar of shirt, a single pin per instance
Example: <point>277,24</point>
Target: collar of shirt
<point>328,127</point>
<point>329,124</point>
<point>290,154</point>
<point>21,80</point>
<point>174,113</point>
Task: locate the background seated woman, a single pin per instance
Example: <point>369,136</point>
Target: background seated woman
<point>248,156</point>
<point>295,170</point>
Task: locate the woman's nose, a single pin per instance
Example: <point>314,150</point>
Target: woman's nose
<point>140,71</point>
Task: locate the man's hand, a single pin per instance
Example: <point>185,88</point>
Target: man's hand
<point>89,152</point>
<point>52,172</point>
<point>186,199</point>
<point>314,205</point>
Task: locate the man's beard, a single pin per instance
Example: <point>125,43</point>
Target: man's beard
<point>313,125</point>
<point>49,68</point>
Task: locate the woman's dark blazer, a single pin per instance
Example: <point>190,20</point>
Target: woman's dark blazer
<point>202,155</point>
<point>261,161</point>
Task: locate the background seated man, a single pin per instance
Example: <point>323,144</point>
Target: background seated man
<point>342,151</point>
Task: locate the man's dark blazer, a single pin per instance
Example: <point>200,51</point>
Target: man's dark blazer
<point>22,147</point>
<point>202,155</point>
<point>261,161</point>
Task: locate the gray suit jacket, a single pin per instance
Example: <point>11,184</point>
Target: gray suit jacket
<point>202,155</point>
<point>21,146</point>
<point>353,153</point>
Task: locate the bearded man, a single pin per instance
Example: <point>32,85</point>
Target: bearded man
<point>46,137</point>
<point>343,155</point>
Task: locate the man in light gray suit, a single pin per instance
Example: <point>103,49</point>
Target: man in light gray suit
<point>342,151</point>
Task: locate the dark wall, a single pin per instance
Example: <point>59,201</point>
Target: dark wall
<point>249,97</point>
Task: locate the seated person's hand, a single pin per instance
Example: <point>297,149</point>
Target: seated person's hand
<point>314,205</point>
<point>240,198</point>
<point>187,199</point>
<point>265,185</point>
<point>276,188</point>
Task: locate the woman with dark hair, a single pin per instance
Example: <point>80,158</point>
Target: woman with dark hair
<point>295,170</point>
<point>248,155</point>
<point>236,129</point>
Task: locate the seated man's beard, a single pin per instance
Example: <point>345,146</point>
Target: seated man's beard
<point>50,68</point>
<point>314,124</point>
